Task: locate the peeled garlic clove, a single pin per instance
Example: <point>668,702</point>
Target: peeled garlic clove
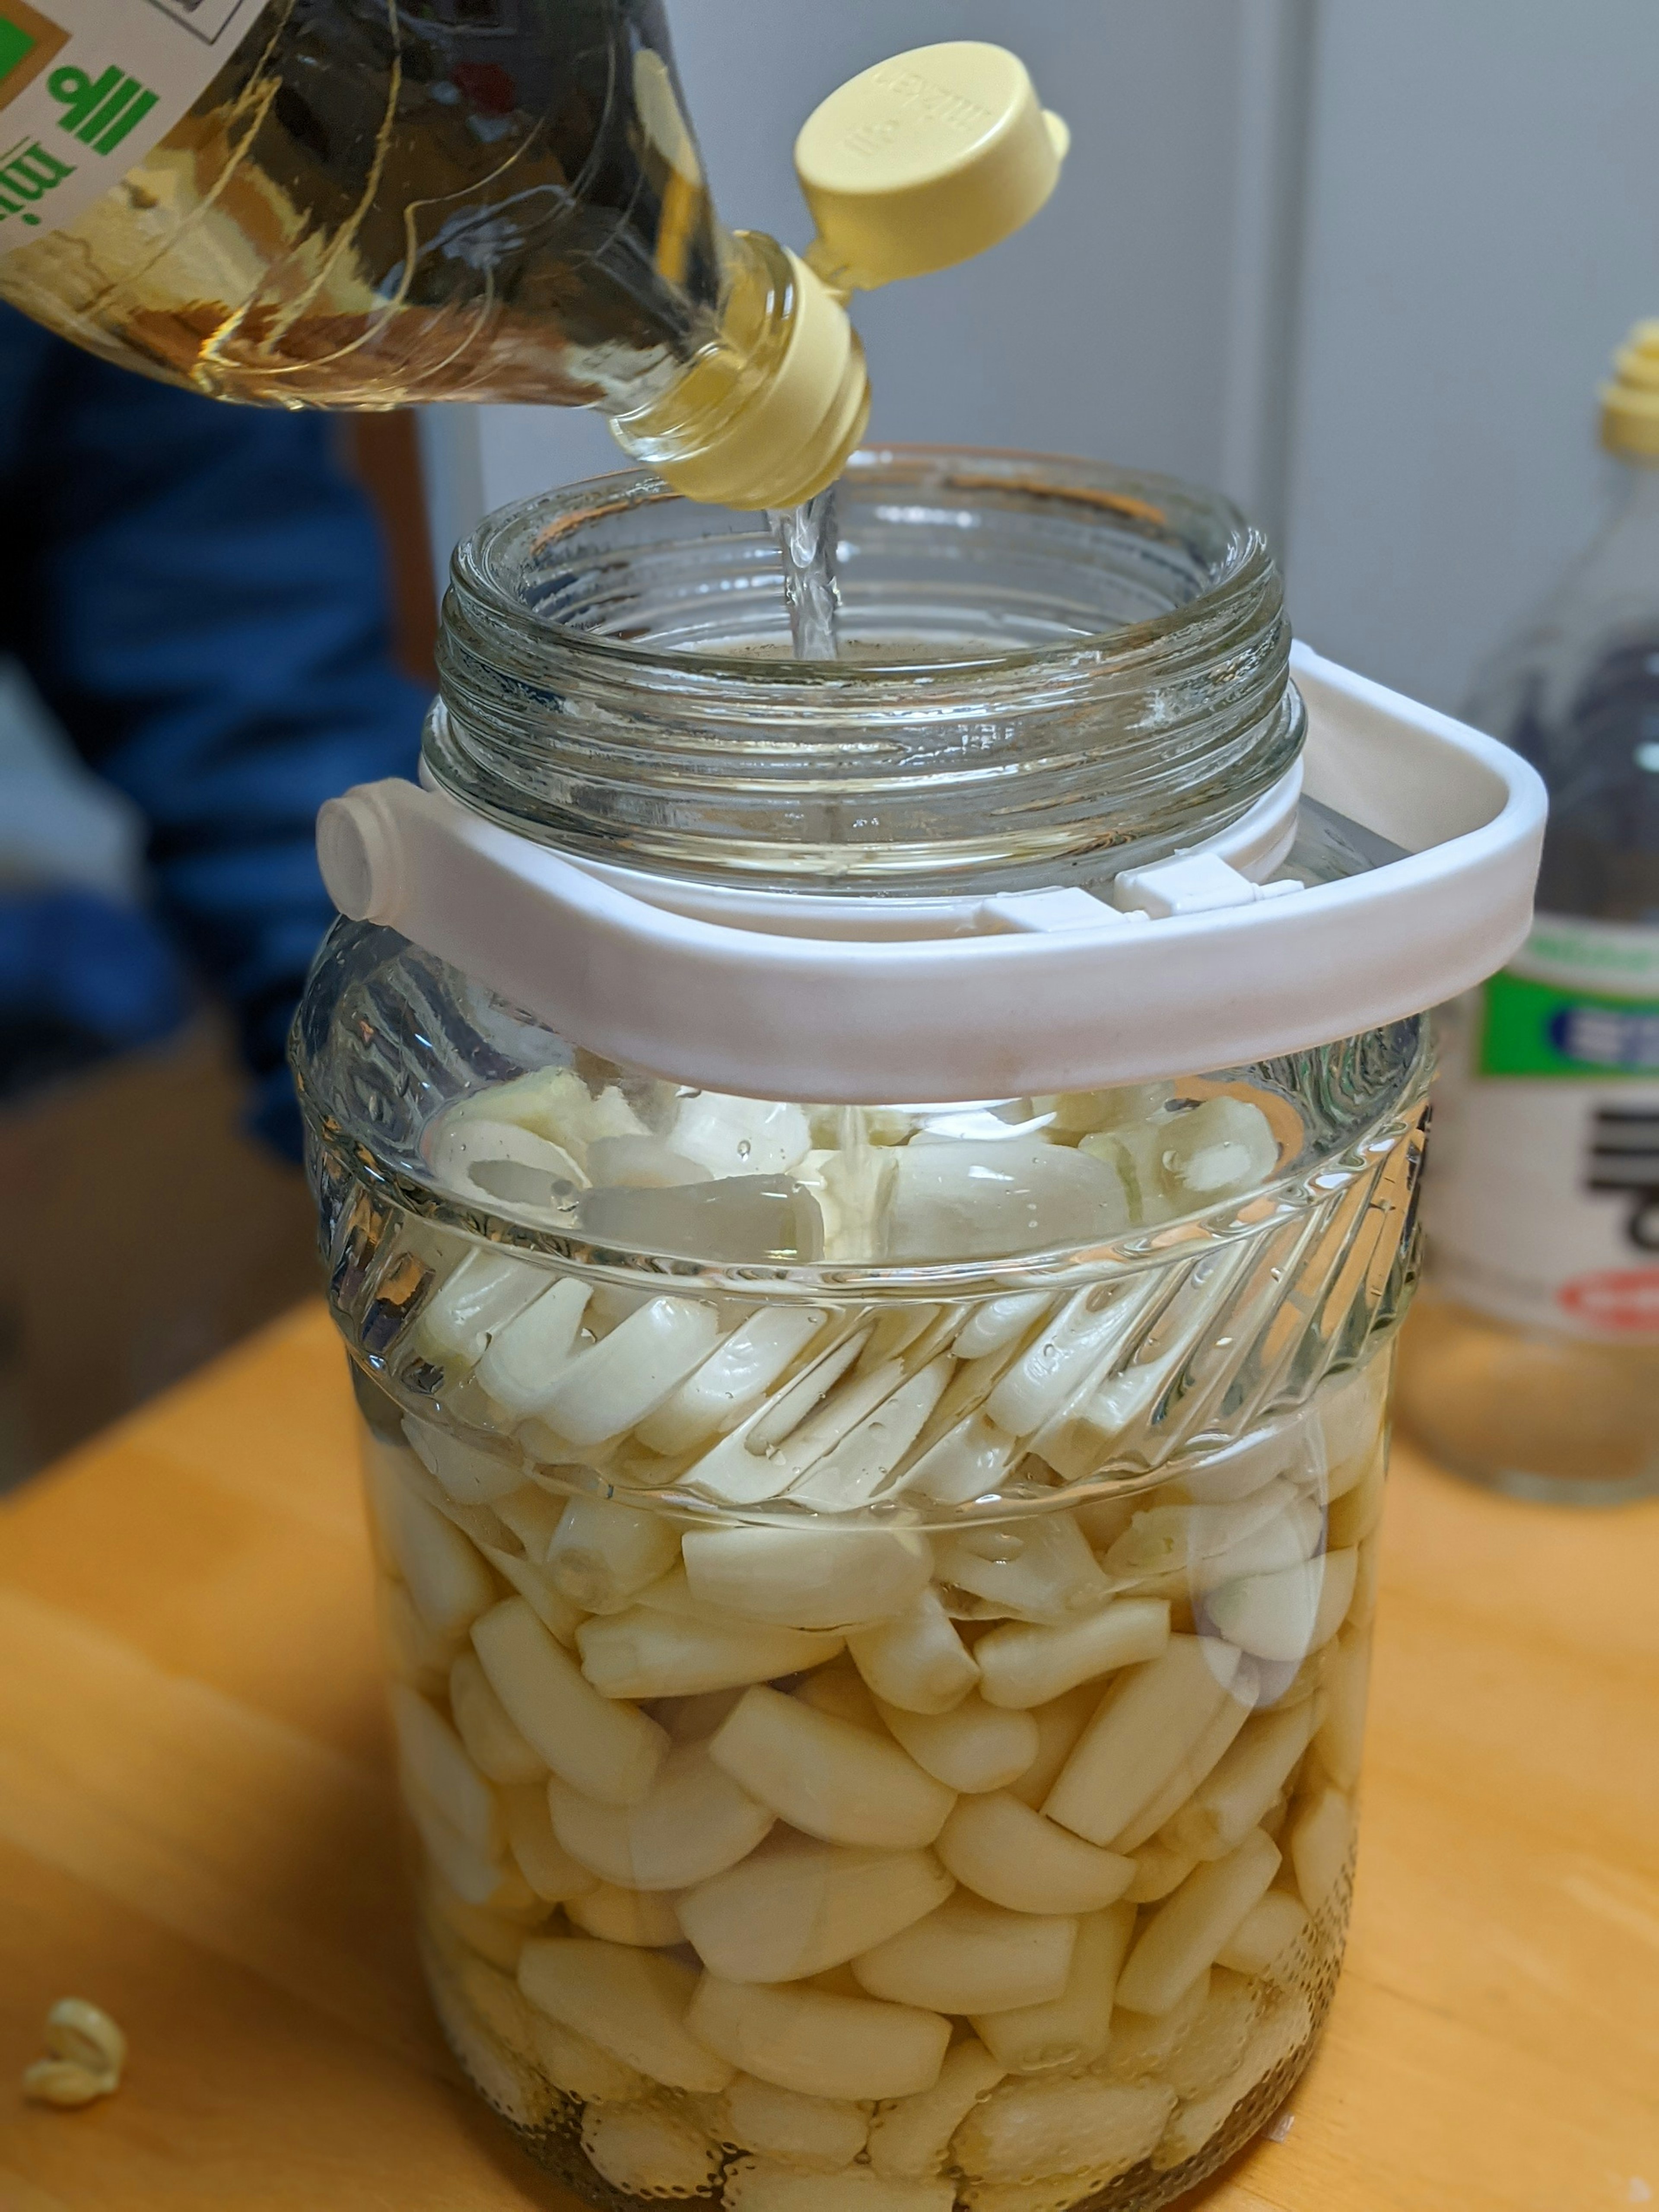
<point>1000,1322</point>
<point>465,1472</point>
<point>1144,1729</point>
<point>631,2002</point>
<point>973,1747</point>
<point>852,1469</point>
<point>1218,2040</point>
<point>823,2134</point>
<point>1076,2027</point>
<point>1038,1569</point>
<point>528,1353</point>
<point>1184,1937</point>
<point>797,1907</point>
<point>971,1957</point>
<point>479,1158</point>
<point>84,2034</point>
<point>1342,1728</point>
<point>602,1554</point>
<point>575,2064</point>
<point>600,1746</point>
<point>811,1578</point>
<point>1144,2043</point>
<point>650,1653</point>
<point>915,1659</point>
<point>482,1294</point>
<point>1061,1358</point>
<point>1026,1664</point>
<point>693,1822</point>
<point>494,1745</point>
<point>828,1778</point>
<point>1193,1771</point>
<point>759,2184</point>
<point>732,1380</point>
<point>447,1581</point>
<point>642,1163</point>
<point>733,1136</point>
<point>475,1875</point>
<point>645,1918</point>
<point>1011,1855</point>
<point>66,2082</point>
<point>968,1462</point>
<point>967,1199</point>
<point>1284,1616</point>
<point>615,1383</point>
<point>539,1856</point>
<point>1243,1787</point>
<point>1318,1844</point>
<point>851,2048</point>
<point>433,1755</point>
<point>645,2150</point>
<point>1027,2128</point>
<point>1224,1145</point>
<point>1277,2038</point>
<point>910,2136</point>
<point>1268,1932</point>
<point>1060,1723</point>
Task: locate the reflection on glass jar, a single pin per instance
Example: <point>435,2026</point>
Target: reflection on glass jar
<point>876,1598</point>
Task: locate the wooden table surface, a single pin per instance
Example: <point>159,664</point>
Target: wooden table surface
<point>195,1830</point>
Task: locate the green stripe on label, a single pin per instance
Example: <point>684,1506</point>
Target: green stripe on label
<point>1529,1027</point>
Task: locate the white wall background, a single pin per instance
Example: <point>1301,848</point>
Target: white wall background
<point>1481,225</point>
<point>1359,265</point>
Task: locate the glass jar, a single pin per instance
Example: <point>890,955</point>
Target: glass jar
<point>877,1597</point>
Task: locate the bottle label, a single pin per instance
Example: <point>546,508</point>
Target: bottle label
<point>87,86</point>
<point>1542,1196</point>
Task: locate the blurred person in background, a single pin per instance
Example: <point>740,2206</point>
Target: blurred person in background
<point>194,594</point>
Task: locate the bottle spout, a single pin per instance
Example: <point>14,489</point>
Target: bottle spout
<point>923,161</point>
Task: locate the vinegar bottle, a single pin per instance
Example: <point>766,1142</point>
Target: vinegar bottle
<point>370,203</point>
<point>1532,1362</point>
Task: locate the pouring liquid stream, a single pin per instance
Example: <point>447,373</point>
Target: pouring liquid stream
<point>806,539</point>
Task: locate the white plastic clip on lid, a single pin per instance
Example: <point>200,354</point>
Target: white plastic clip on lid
<point>1199,961</point>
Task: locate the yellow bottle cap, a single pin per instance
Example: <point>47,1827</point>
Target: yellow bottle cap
<point>1630,405</point>
<point>792,433</point>
<point>925,160</point>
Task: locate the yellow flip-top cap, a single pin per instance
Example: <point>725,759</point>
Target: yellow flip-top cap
<point>925,160</point>
<point>1630,405</point>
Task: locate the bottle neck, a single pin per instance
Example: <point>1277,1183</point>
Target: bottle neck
<point>1636,496</point>
<point>766,414</point>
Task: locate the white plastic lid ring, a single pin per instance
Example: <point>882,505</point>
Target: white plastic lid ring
<point>1197,964</point>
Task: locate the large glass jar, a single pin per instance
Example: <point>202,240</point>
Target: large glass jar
<point>877,1597</point>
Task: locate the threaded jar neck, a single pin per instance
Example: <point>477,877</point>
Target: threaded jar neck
<point>1051,669</point>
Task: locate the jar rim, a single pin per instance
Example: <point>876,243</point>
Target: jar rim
<point>1148,497</point>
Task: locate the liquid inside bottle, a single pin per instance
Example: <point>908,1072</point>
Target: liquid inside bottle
<point>1532,1362</point>
<point>380,201</point>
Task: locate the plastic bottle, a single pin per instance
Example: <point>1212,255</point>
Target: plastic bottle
<point>1533,1363</point>
<point>368,202</point>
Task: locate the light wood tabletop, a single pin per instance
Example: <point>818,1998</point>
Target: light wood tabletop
<point>196,1831</point>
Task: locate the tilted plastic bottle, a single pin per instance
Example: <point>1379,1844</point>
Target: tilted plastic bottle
<point>369,202</point>
<point>1533,1363</point>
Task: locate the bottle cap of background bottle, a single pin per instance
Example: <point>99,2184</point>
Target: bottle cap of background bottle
<point>1630,405</point>
<point>925,160</point>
